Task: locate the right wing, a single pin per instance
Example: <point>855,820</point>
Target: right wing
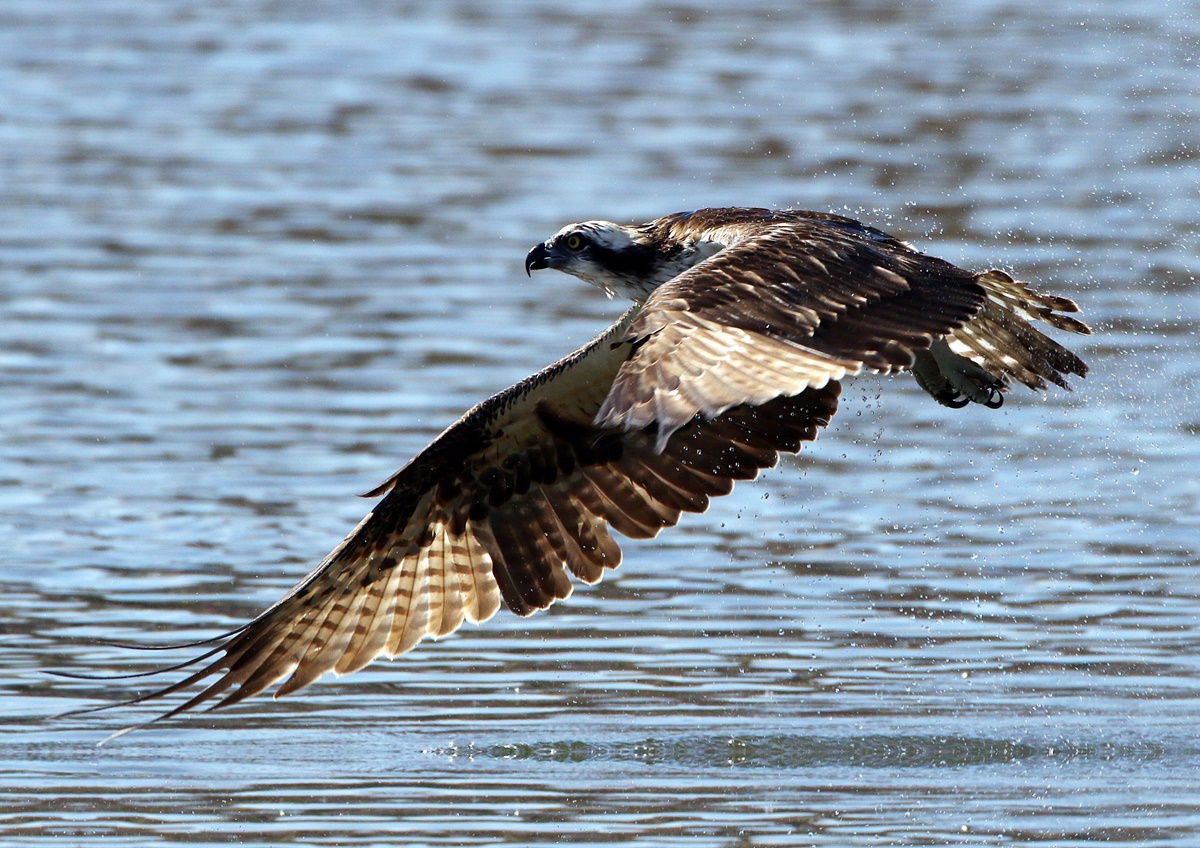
<point>794,301</point>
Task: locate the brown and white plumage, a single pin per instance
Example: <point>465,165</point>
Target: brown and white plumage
<point>744,322</point>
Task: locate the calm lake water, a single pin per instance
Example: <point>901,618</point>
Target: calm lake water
<point>254,255</point>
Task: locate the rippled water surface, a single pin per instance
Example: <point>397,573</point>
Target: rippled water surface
<point>254,255</point>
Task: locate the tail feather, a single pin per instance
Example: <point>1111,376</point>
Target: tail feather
<point>1002,339</point>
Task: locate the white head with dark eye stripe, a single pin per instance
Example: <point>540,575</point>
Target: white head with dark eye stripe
<point>630,261</point>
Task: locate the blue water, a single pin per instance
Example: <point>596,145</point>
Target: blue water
<point>254,256</point>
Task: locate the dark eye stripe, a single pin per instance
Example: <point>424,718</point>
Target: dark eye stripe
<point>637,261</point>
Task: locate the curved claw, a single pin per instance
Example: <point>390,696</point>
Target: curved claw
<point>995,399</point>
<point>955,401</point>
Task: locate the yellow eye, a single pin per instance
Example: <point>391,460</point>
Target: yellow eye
<point>574,241</point>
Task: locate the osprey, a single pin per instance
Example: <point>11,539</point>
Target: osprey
<point>744,321</point>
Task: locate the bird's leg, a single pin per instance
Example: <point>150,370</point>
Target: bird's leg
<point>955,380</point>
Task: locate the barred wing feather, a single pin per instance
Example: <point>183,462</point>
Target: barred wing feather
<point>521,491</point>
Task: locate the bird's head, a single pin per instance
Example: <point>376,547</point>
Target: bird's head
<point>631,261</point>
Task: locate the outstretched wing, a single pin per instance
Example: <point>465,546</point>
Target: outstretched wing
<point>797,300</point>
<point>519,492</point>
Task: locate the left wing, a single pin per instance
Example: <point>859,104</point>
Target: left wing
<point>520,491</point>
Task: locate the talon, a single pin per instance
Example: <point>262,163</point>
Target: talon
<point>995,399</point>
<point>948,396</point>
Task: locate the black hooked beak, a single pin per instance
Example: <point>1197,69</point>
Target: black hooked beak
<point>537,259</point>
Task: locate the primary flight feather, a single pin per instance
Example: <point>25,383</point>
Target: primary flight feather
<point>744,321</point>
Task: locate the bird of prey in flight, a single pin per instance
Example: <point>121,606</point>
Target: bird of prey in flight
<point>744,322</point>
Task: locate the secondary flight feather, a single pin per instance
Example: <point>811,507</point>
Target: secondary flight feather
<point>744,322</point>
